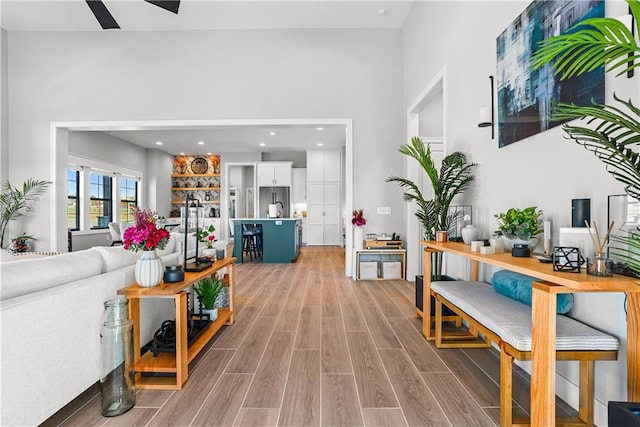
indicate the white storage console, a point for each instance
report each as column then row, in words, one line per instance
column 379, row 264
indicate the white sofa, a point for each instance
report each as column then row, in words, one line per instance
column 51, row 312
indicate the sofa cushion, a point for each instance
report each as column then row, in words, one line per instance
column 519, row 287
column 115, row 257
column 169, row 249
column 31, row 275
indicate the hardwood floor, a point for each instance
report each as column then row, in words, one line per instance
column 311, row 347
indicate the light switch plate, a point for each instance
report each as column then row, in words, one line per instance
column 384, row 210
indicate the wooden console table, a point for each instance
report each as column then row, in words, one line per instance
column 169, row 363
column 543, row 356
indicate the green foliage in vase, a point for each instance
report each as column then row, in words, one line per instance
column 519, row 223
column 611, row 132
column 18, row 202
column 209, row 289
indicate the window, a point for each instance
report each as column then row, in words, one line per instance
column 73, row 207
column 128, row 199
column 101, row 200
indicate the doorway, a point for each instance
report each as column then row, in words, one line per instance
column 59, row 151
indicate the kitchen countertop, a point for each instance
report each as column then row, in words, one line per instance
column 266, row 219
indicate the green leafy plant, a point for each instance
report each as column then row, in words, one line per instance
column 520, row 224
column 611, row 132
column 208, row 290
column 453, row 178
column 16, row 203
column 206, row 236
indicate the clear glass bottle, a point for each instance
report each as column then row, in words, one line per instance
column 117, row 383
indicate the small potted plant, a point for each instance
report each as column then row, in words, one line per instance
column 521, row 226
column 208, row 291
column 21, row 243
column 207, row 237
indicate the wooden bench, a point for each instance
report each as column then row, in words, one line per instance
column 507, row 323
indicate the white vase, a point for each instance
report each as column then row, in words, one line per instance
column 469, row 234
column 358, row 238
column 149, row 269
column 213, row 313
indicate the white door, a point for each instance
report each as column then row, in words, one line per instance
column 315, row 213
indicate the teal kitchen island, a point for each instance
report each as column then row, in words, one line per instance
column 281, row 238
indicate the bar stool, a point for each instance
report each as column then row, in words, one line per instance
column 252, row 241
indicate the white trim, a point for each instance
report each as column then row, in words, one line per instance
column 107, row 168
column 436, row 87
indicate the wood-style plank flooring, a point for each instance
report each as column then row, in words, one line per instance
column 311, row 347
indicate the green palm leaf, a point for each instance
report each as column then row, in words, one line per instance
column 588, row 45
column 16, row 202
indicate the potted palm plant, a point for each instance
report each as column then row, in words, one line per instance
column 453, row 178
column 208, row 291
column 17, row 202
column 609, row 131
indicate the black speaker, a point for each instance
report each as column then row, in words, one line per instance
column 580, row 212
column 624, row 414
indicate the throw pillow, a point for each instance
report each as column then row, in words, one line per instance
column 519, row 287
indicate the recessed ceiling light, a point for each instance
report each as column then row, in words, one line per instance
column 262, row 144
column 200, row 142
column 382, row 12
column 182, row 154
column 320, row 144
column 319, row 128
column 272, row 133
column 158, row 142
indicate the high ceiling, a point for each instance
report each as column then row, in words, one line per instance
column 139, row 15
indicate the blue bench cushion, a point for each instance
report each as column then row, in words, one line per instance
column 519, row 287
column 511, row 320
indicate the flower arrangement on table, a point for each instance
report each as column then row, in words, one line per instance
column 358, row 218
column 207, row 237
column 145, row 235
column 21, row 243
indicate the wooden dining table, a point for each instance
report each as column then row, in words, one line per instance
column 543, row 312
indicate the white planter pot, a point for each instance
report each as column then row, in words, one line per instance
column 358, row 238
column 149, row 269
column 213, row 313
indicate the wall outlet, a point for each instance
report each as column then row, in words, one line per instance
column 384, row 210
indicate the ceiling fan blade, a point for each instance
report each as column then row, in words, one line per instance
column 170, row 5
column 102, row 14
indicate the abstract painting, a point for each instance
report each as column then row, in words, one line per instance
column 525, row 96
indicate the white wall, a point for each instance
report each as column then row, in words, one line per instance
column 544, row 170
column 4, row 110
column 346, row 74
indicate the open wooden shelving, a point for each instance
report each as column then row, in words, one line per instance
column 171, row 369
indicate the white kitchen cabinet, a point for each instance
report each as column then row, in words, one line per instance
column 324, row 186
column 323, row 213
column 299, row 185
column 274, row 174
column 324, row 165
